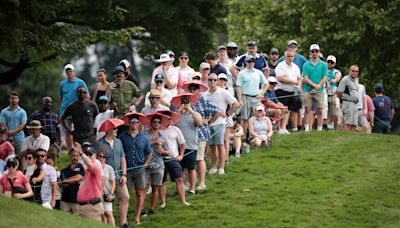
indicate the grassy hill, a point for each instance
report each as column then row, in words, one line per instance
column 316, row 179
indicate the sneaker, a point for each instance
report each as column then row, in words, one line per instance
column 143, row 213
column 286, row 132
column 125, row 225
column 212, row 171
column 192, row 192
column 237, row 154
column 186, row 204
column 186, row 187
column 151, row 212
column 163, row 205
column 281, row 132
column 221, row 171
column 201, row 187
column 149, row 190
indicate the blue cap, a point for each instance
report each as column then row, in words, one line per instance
column 378, row 86
column 118, row 69
column 252, row 43
column 159, row 77
column 249, row 57
column 103, row 98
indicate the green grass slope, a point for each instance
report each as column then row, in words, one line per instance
column 332, row 179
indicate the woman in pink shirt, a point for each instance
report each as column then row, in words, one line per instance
column 14, row 184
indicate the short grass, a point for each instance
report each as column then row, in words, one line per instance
column 333, row 179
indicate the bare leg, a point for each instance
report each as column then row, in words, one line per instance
column 192, row 179
column 139, row 203
column 154, row 196
column 163, row 193
column 201, row 169
column 214, row 156
column 181, row 189
column 221, row 155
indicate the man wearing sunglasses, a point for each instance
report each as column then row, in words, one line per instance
column 83, row 113
column 315, row 75
column 155, row 98
column 184, row 70
column 299, row 59
column 334, row 76
column 162, row 97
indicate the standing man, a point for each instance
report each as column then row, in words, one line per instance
column 138, row 155
column 299, row 59
column 91, row 190
column 67, row 93
column 48, row 119
column 71, row 178
column 224, row 61
column 260, row 62
column 48, row 189
column 185, row 72
column 334, row 76
column 232, row 50
column 288, row 81
column 83, row 113
column 155, row 102
column 248, row 92
column 222, row 98
column 115, row 157
column 211, row 58
column 104, row 114
column 128, row 72
column 347, row 91
column 170, row 73
column 166, row 95
column 124, row 92
column 384, row 111
column 315, row 75
column 273, row 61
column 204, row 69
column 36, row 140
column 14, row 119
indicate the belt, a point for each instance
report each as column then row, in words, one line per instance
column 249, row 95
column 92, row 201
column 350, row 101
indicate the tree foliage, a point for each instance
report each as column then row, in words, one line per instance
column 356, row 32
column 34, row 32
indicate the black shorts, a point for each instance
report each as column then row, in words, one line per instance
column 292, row 102
column 174, row 169
column 189, row 160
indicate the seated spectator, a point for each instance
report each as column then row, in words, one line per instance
column 235, row 136
column 260, row 128
column 33, row 173
column 14, row 184
column 36, row 139
column 6, row 148
column 108, row 189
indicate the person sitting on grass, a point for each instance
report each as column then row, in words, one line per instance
column 108, row 189
column 235, row 135
column 14, row 184
column 260, row 128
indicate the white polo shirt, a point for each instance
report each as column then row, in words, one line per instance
column 284, row 70
column 185, row 73
column 222, row 98
column 174, row 139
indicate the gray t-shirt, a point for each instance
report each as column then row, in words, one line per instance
column 189, row 130
column 108, row 176
column 349, row 89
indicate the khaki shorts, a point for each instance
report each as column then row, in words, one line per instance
column 90, row 211
column 307, row 99
column 249, row 104
column 332, row 106
column 201, row 150
column 350, row 113
column 69, row 207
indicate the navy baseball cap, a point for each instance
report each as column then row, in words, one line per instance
column 252, row 43
column 159, row 77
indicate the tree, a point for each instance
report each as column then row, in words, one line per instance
column 33, row 33
column 356, row 32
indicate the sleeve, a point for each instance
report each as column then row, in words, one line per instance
column 279, row 70
column 122, row 148
column 46, row 142
column 136, row 91
column 263, row 80
column 265, row 63
column 112, row 172
column 67, row 112
column 181, row 139
column 147, row 147
column 325, row 70
column 212, row 108
column 86, row 88
column 239, row 81
column 24, row 117
column 9, row 147
column 240, row 61
column 95, row 110
column 60, row 93
column 2, row 117
column 230, row 98
column 342, row 85
column 53, row 175
column 81, row 170
column 305, row 70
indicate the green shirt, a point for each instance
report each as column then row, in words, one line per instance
column 124, row 95
column 315, row 74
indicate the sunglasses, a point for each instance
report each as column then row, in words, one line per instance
column 212, row 80
column 330, row 62
column 222, row 79
column 272, row 84
column 154, row 97
column 314, row 51
column 101, row 156
column 206, row 69
column 232, row 49
column 29, row 158
column 251, row 61
column 293, row 46
column 159, row 82
column 185, row 58
column 156, row 122
column 196, row 78
column 355, row 71
column 42, row 155
column 134, row 121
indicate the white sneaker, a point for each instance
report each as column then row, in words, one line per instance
column 281, row 132
column 237, row 155
column 149, row 190
column 187, row 187
column 286, row 132
column 163, row 205
column 201, row 187
column 212, row 171
column 221, row 171
column 186, row 204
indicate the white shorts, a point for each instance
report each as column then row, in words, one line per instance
column 108, row 207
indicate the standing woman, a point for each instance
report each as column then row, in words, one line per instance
column 260, row 128
column 108, row 189
column 102, row 87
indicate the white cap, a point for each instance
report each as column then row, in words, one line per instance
column 291, row 42
column 332, row 58
column 260, row 107
column 125, row 62
column 314, row 47
column 69, row 66
column 222, row 75
column 272, row 79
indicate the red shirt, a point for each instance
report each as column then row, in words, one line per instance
column 18, row 181
column 6, row 148
column 92, row 186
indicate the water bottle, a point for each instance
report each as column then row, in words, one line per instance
column 248, row 150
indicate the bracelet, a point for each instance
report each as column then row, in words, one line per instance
column 124, row 174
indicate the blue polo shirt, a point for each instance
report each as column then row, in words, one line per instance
column 113, row 155
column 260, row 64
column 67, row 91
column 315, row 74
column 136, row 149
column 14, row 118
column 218, row 69
column 299, row 60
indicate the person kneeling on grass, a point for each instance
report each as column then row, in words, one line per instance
column 260, row 128
column 235, row 136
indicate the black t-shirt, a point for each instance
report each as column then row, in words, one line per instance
column 134, row 79
column 218, row 69
column 83, row 115
column 35, row 187
column 71, row 191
